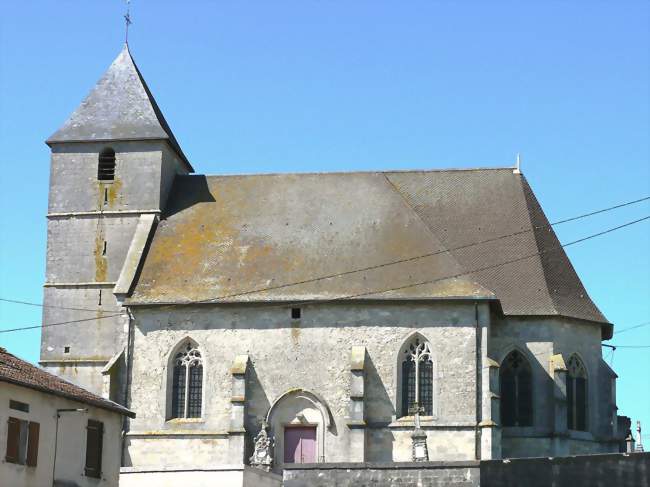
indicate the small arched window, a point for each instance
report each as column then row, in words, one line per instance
column 187, row 383
column 516, row 378
column 417, row 362
column 106, row 166
column 576, row 392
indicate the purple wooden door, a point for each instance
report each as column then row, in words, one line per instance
column 300, row 444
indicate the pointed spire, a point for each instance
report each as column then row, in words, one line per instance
column 119, row 107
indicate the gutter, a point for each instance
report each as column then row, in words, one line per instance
column 477, row 429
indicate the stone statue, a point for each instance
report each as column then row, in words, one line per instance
column 263, row 454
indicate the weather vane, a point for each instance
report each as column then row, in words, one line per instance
column 127, row 19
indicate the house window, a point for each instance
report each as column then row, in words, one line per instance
column 515, row 378
column 576, row 391
column 18, row 406
column 187, row 383
column 106, row 166
column 22, row 442
column 417, row 377
column 94, row 443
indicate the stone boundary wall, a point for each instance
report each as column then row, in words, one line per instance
column 215, row 476
column 601, row 470
column 402, row 474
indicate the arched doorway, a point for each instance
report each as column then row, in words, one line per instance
column 299, row 421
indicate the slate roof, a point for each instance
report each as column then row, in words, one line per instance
column 223, row 236
column 119, row 107
column 22, row 373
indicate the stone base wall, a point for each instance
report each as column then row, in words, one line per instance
column 404, row 474
column 607, row 470
column 221, row 476
column 603, row 470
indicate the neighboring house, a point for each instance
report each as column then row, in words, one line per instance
column 299, row 299
column 54, row 433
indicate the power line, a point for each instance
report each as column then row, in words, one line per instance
column 377, row 266
column 597, row 212
column 640, row 325
column 512, row 261
column 410, row 259
column 352, row 296
column 28, row 303
column 59, row 324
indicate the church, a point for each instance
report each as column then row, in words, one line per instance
column 257, row 321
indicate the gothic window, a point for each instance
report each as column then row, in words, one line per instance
column 106, row 166
column 187, row 383
column 416, row 359
column 515, row 377
column 576, row 392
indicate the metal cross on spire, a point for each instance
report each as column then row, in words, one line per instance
column 127, row 20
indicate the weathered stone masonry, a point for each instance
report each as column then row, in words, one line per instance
column 302, row 292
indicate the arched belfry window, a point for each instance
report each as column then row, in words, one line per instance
column 106, row 166
column 576, row 392
column 516, row 380
column 187, row 383
column 417, row 377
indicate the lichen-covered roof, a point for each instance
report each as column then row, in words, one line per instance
column 224, row 236
column 17, row 371
column 119, row 107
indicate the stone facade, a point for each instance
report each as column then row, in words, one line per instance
column 314, row 355
column 156, row 259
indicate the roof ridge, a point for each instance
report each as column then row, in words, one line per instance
column 369, row 171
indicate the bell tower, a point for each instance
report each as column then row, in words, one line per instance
column 112, row 167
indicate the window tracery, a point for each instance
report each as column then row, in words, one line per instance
column 187, row 383
column 417, row 377
column 515, row 377
column 576, row 391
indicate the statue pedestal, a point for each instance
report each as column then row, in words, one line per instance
column 420, row 453
column 263, row 455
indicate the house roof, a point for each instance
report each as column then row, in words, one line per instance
column 22, row 373
column 119, row 107
column 225, row 236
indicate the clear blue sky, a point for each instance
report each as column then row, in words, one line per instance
column 327, row 86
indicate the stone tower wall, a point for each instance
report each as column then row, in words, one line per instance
column 91, row 224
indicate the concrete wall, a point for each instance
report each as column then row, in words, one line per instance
column 71, row 443
column 620, row 470
column 313, row 354
column 431, row 474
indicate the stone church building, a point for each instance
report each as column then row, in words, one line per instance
column 211, row 305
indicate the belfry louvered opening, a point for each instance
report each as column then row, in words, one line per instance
column 106, row 166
